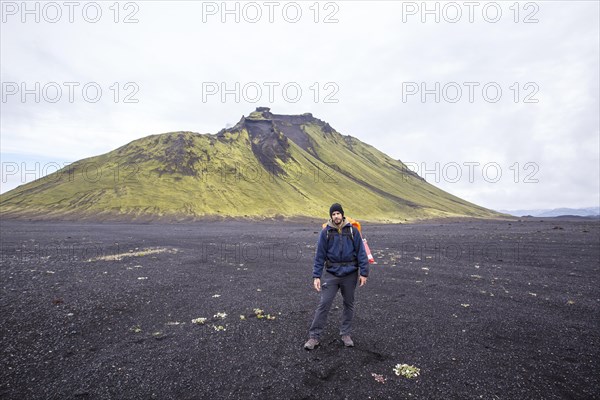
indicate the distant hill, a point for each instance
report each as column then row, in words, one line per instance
column 555, row 212
column 266, row 166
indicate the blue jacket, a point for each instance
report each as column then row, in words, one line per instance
column 346, row 252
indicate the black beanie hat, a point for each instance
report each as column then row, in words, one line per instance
column 336, row 207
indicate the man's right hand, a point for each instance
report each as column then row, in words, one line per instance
column 317, row 284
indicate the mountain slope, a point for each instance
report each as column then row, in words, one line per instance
column 267, row 165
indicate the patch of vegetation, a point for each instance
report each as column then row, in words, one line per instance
column 407, row 371
column 260, row 314
column 132, row 253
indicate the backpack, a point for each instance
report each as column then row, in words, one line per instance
column 353, row 224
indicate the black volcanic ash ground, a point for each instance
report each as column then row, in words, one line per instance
column 506, row 310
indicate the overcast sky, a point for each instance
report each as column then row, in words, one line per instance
column 495, row 102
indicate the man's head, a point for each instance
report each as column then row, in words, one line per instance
column 336, row 212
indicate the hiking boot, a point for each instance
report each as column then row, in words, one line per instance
column 311, row 344
column 347, row 341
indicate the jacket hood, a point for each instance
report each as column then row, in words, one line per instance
column 334, row 226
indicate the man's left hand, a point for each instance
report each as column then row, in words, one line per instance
column 362, row 280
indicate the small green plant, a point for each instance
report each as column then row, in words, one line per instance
column 407, row 371
column 260, row 314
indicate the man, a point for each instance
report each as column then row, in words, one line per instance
column 341, row 251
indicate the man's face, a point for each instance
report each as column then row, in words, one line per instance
column 336, row 217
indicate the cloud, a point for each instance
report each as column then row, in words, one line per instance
column 353, row 73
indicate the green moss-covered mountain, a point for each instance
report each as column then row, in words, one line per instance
column 265, row 166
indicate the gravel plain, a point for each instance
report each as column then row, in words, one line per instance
column 484, row 309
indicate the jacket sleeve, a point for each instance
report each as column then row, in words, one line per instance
column 361, row 255
column 320, row 254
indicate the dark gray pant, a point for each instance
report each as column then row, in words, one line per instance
column 329, row 287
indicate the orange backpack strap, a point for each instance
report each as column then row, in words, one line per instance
column 356, row 224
